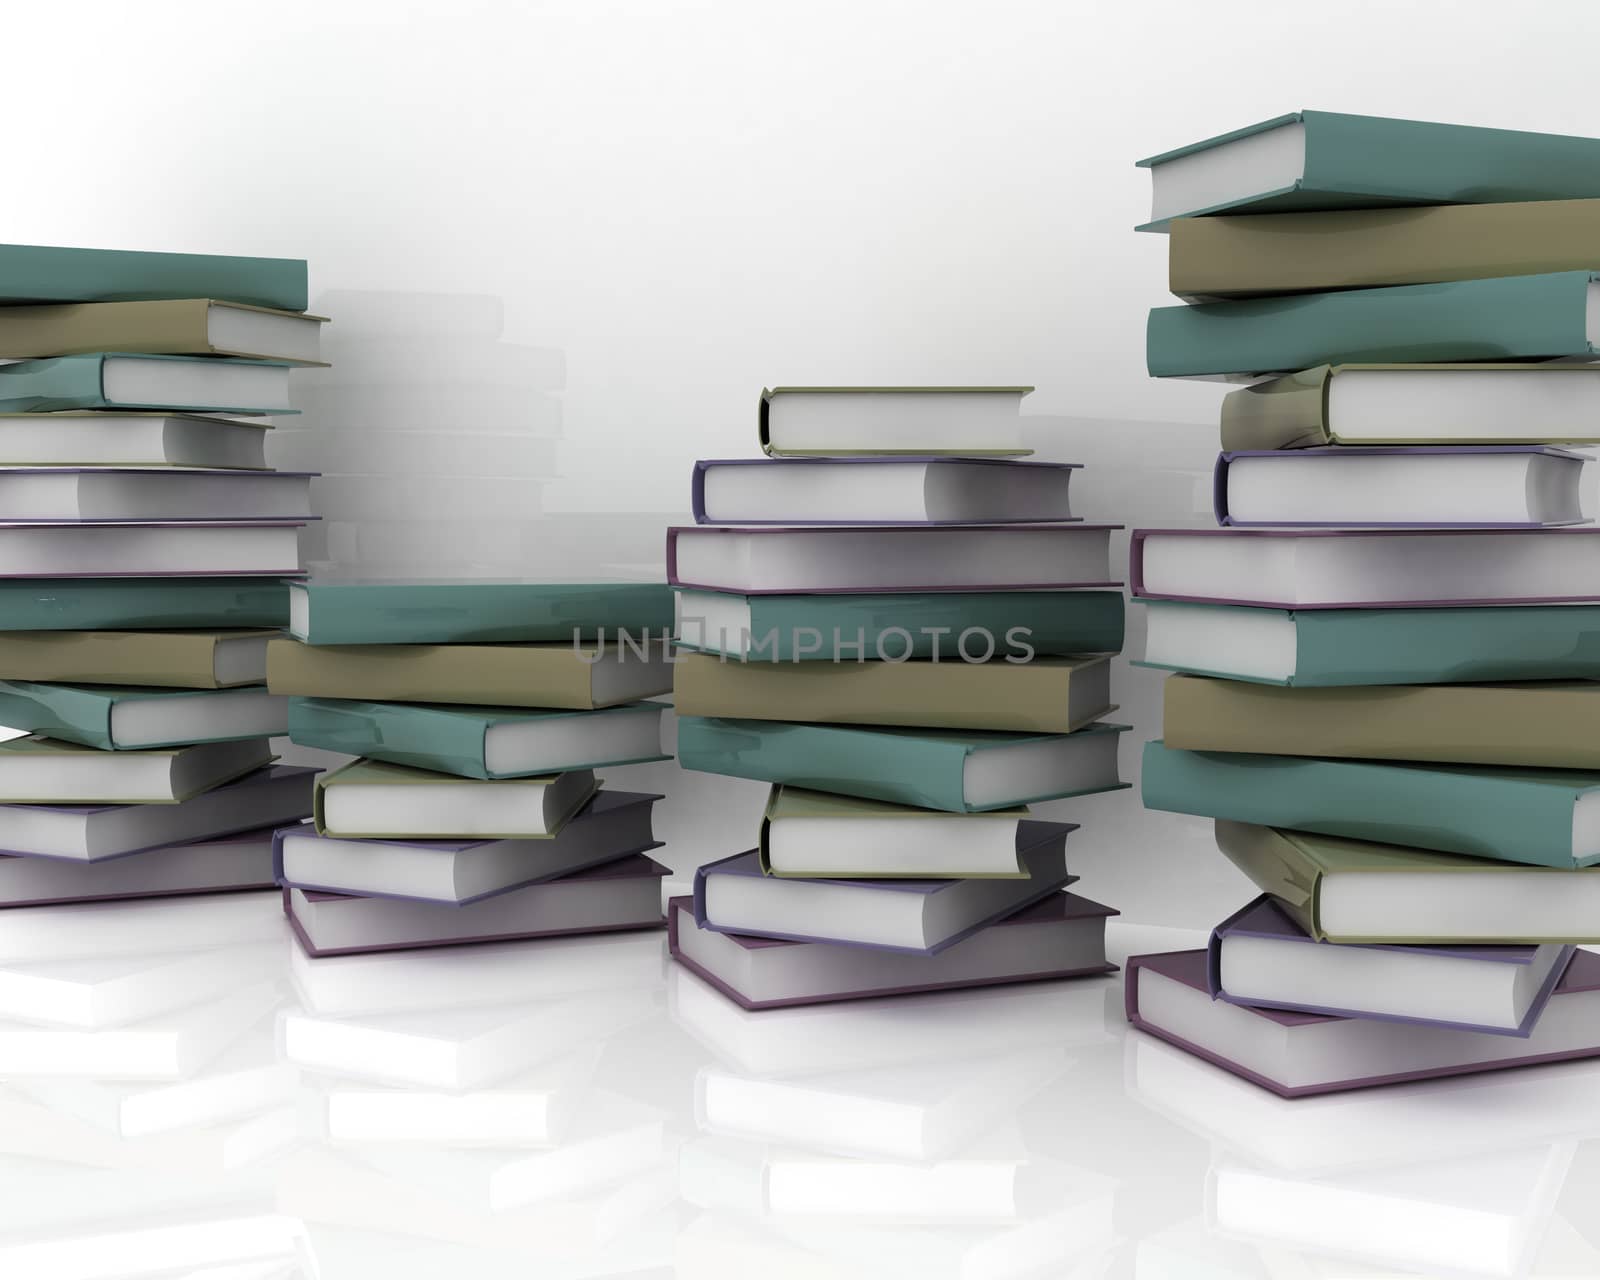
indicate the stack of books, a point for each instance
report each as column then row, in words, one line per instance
column 479, row 712
column 141, row 536
column 1383, row 658
column 901, row 628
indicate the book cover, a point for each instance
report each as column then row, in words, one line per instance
column 185, row 659
column 60, row 273
column 166, row 327
column 1515, row 815
column 77, row 382
column 133, row 604
column 1511, row 318
column 375, row 773
column 86, row 714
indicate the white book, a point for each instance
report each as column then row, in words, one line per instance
column 146, row 550
column 916, row 420
column 36, row 770
column 201, row 382
column 150, row 1249
column 882, row 491
column 98, row 929
column 220, row 865
column 109, row 439
column 371, row 799
column 56, row 494
column 37, row 1194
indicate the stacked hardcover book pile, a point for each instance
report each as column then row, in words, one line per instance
column 878, row 623
column 140, row 531
column 1382, row 696
column 479, row 711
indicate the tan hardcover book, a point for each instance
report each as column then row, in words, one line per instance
column 165, row 659
column 180, row 327
column 1248, row 254
column 1548, row 724
column 1047, row 695
column 495, row 675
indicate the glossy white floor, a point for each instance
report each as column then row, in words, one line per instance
column 199, row 1100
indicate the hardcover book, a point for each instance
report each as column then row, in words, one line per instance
column 167, row 659
column 963, row 421
column 367, row 799
column 1297, row 1054
column 955, row 772
column 68, row 494
column 147, row 438
column 51, row 273
column 1541, row 817
column 124, row 380
column 130, row 603
column 220, row 864
column 150, row 549
column 1261, row 958
column 1047, row 695
column 1060, row 936
column 35, row 770
column 185, row 326
column 116, row 719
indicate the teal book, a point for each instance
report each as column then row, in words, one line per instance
column 480, row 742
column 1511, row 318
column 56, row 273
column 129, row 380
column 1542, row 817
column 957, row 772
column 114, row 718
column 854, row 627
column 477, row 612
column 1331, row 160
column 142, row 604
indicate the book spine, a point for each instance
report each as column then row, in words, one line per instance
column 176, row 328
column 1277, row 866
column 521, row 676
column 70, row 715
column 39, row 386
column 1451, row 810
column 47, row 274
column 1285, row 413
column 498, row 615
column 397, row 734
column 1514, row 318
column 110, row 657
column 66, row 604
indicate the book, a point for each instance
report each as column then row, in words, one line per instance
column 556, row 676
column 1457, row 486
column 123, row 380
column 165, row 659
column 1296, row 1054
column 183, row 326
column 764, row 561
column 265, row 797
column 619, row 895
column 474, row 612
column 732, row 895
column 1331, row 160
column 87, row 604
column 880, row 490
column 1414, row 404
column 68, row 494
column 51, row 273
column 220, row 864
column 1547, row 724
column 148, row 438
column 1047, row 695
column 42, row 771
column 1330, row 648
column 1347, row 569
column 1512, row 318
column 112, row 718
column 815, row 834
column 1261, row 958
column 1237, row 255
column 1060, row 936
column 798, row 628
column 370, row 799
column 613, row 825
column 480, row 742
column 1542, row 817
column 892, row 420
column 1343, row 890
column 970, row 772
column 149, row 549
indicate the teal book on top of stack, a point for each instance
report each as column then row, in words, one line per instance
column 899, row 625
column 478, row 713
column 1382, row 657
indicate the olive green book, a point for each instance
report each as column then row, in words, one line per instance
column 369, row 799
column 491, row 675
column 1298, row 411
column 908, row 843
column 163, row 659
column 1046, row 695
column 1235, row 256
column 1545, row 725
column 1342, row 890
column 179, row 327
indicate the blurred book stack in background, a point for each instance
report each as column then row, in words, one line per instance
column 899, row 626
column 1383, row 656
column 478, row 712
column 142, row 539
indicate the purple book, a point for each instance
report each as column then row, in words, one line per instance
column 1333, row 475
column 1272, row 963
column 923, row 917
column 1060, row 936
column 1365, row 569
column 1016, row 492
column 1296, row 1054
column 622, row 895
